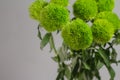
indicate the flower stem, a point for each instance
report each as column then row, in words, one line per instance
column 53, row 44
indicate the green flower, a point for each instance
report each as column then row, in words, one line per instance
column 53, row 17
column 60, row 2
column 102, row 30
column 105, row 5
column 35, row 8
column 111, row 17
column 77, row 35
column 85, row 9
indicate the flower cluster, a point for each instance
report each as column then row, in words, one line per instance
column 88, row 38
column 77, row 33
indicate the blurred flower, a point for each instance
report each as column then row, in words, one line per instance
column 35, row 9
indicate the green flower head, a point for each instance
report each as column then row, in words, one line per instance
column 60, row 2
column 53, row 17
column 111, row 17
column 35, row 8
column 77, row 35
column 85, row 9
column 105, row 5
column 102, row 30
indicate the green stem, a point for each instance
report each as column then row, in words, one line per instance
column 53, row 44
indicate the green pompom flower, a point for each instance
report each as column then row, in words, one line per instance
column 60, row 2
column 102, row 31
column 77, row 35
column 35, row 8
column 85, row 9
column 53, row 17
column 105, row 5
column 111, row 17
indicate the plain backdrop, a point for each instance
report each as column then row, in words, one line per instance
column 20, row 55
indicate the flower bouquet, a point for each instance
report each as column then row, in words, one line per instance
column 88, row 38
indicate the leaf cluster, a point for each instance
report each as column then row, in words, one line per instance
column 82, row 64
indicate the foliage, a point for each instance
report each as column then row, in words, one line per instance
column 86, row 48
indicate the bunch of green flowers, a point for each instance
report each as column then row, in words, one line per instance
column 87, row 37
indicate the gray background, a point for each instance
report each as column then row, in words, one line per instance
column 20, row 56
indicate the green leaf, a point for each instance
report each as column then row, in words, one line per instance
column 61, row 55
column 82, row 76
column 45, row 40
column 114, row 54
column 111, row 72
column 61, row 72
column 51, row 44
column 104, row 56
column 39, row 33
column 67, row 73
column 56, row 59
column 74, row 61
column 97, row 74
column 86, row 66
column 75, row 69
column 107, row 63
column 99, row 65
column 117, row 38
column 60, row 76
